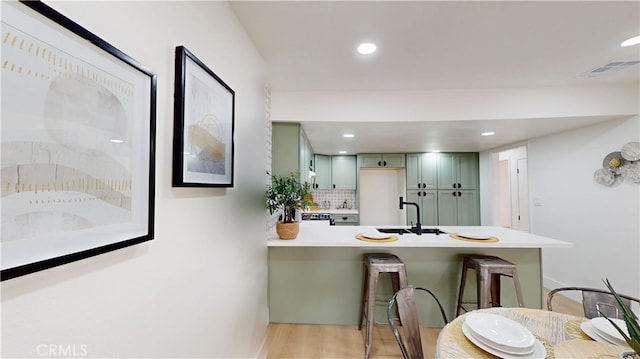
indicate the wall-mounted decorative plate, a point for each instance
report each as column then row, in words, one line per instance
column 631, row 151
column 614, row 161
column 631, row 172
column 604, row 177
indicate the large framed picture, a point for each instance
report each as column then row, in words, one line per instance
column 77, row 142
column 203, row 132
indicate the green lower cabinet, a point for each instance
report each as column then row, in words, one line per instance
column 428, row 202
column 458, row 208
column 346, row 219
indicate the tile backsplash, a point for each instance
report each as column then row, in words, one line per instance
column 336, row 197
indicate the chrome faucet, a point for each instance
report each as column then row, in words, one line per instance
column 418, row 226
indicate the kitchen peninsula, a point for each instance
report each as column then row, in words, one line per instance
column 317, row 277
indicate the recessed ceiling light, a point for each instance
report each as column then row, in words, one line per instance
column 630, row 42
column 342, row 152
column 366, row 48
column 348, row 135
column 489, row 133
column 435, row 151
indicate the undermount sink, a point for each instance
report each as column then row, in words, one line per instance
column 410, row 230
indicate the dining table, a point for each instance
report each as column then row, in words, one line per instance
column 559, row 333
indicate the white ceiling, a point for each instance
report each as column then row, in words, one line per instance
column 432, row 45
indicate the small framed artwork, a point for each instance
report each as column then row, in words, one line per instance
column 203, row 131
column 78, row 137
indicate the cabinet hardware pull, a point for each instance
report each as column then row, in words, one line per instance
column 379, row 163
column 385, row 163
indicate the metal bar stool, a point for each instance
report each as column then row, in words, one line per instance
column 374, row 265
column 488, row 271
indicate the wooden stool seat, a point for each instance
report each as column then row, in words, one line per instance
column 374, row 265
column 488, row 271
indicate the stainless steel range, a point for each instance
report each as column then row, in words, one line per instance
column 313, row 216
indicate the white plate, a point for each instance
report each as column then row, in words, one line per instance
column 501, row 331
column 589, row 330
column 375, row 235
column 607, row 331
column 539, row 352
column 473, row 236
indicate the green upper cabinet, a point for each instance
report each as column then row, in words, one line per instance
column 343, row 172
column 458, row 170
column 381, row 160
column 335, row 172
column 322, row 168
column 422, row 170
column 291, row 151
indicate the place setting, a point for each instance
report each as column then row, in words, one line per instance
column 601, row 330
column 474, row 237
column 502, row 337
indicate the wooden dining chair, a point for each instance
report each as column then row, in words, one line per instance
column 403, row 302
column 595, row 302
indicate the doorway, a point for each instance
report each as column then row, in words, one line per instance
column 512, row 189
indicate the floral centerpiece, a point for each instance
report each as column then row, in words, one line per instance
column 288, row 194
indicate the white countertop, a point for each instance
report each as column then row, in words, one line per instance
column 321, row 234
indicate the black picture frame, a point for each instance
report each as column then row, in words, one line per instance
column 204, row 125
column 84, row 113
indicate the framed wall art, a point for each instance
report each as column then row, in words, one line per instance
column 78, row 134
column 203, row 132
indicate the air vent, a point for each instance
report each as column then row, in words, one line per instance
column 610, row 67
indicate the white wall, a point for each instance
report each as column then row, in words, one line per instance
column 602, row 223
column 200, row 288
column 455, row 105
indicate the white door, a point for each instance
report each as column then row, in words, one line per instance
column 523, row 195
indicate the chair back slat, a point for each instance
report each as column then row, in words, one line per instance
column 404, row 301
column 407, row 309
column 595, row 302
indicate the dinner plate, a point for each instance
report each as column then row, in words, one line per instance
column 590, row 331
column 473, row 236
column 539, row 352
column 607, row 331
column 499, row 331
column 375, row 235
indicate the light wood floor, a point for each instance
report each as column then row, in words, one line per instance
column 346, row 341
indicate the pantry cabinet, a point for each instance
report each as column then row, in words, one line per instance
column 381, row 160
column 428, row 202
column 422, row 170
column 446, row 186
column 458, row 208
column 458, row 170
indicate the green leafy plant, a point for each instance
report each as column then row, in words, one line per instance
column 288, row 194
column 630, row 319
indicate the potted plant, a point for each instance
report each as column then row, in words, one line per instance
column 633, row 326
column 288, row 194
